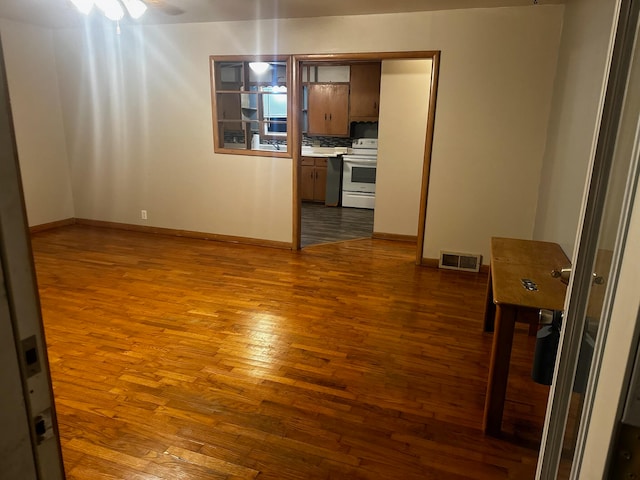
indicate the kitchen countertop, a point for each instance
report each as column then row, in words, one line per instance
column 307, row 151
column 323, row 152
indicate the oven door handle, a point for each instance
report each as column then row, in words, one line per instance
column 353, row 193
column 361, row 163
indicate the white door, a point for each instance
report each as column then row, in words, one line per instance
column 15, row 462
column 29, row 443
column 596, row 279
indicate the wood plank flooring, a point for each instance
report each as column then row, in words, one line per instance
column 321, row 224
column 175, row 358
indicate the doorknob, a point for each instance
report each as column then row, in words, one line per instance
column 565, row 273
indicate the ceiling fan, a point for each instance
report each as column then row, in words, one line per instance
column 115, row 9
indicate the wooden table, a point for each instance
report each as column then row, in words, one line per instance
column 508, row 301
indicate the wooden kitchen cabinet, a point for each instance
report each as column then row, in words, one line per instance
column 328, row 109
column 364, row 99
column 314, row 179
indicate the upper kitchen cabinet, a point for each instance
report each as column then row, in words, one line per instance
column 326, row 100
column 364, row 100
column 328, row 109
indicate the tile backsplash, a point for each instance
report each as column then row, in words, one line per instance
column 326, row 141
column 358, row 130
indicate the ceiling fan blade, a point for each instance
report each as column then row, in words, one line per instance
column 165, row 7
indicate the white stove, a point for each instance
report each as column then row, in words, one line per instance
column 359, row 174
column 364, row 146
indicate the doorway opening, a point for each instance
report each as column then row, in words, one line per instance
column 339, row 113
column 322, row 83
column 320, row 224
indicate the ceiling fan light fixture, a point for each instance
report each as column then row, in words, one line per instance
column 111, row 9
column 259, row 67
column 136, row 8
column 84, row 6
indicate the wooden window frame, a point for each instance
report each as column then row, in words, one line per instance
column 245, row 84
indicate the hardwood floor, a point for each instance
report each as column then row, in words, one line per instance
column 320, row 224
column 176, row 358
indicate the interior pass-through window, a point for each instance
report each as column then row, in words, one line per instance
column 251, row 111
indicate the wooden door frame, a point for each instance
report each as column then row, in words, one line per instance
column 296, row 144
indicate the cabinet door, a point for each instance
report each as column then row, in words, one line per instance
column 317, row 109
column 307, row 177
column 320, row 186
column 328, row 109
column 365, row 92
column 339, row 112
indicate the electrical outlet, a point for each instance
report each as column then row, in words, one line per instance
column 143, row 214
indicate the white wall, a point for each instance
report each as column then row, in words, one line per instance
column 140, row 137
column 582, row 66
column 37, row 117
column 137, row 119
column 401, row 139
column 494, row 98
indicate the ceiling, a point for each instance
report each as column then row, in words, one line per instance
column 61, row 13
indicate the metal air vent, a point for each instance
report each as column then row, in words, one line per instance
column 460, row 261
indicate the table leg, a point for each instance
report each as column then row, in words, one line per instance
column 490, row 307
column 505, row 321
